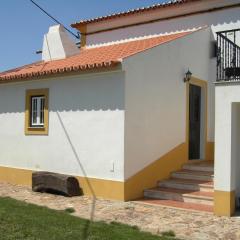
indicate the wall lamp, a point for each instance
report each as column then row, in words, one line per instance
column 188, row 76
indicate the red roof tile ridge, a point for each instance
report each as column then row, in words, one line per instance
column 118, row 42
column 132, row 11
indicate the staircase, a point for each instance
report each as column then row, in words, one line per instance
column 191, row 187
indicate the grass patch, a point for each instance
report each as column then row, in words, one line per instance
column 70, row 210
column 22, row 221
column 169, row 234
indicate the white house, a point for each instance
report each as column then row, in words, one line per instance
column 121, row 113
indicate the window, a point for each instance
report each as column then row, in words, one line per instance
column 36, row 114
column 37, row 111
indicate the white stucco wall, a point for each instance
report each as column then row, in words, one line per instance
column 227, row 138
column 235, row 140
column 219, row 21
column 91, row 108
column 155, row 105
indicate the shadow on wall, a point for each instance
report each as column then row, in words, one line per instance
column 103, row 93
column 93, row 204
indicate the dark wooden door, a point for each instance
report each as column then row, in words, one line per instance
column 194, row 121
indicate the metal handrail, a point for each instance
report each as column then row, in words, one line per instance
column 228, row 57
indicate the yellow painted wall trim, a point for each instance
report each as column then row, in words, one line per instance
column 209, row 152
column 107, row 189
column 224, row 203
column 16, row 176
column 159, row 170
column 83, row 31
column 102, row 188
column 123, row 191
column 28, row 129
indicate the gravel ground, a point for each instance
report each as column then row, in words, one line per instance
column 156, row 219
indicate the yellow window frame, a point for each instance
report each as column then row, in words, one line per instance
column 36, row 130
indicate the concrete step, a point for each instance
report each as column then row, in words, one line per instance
column 193, row 175
column 202, row 167
column 178, row 205
column 187, row 184
column 197, row 197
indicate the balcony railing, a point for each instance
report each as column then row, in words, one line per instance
column 228, row 55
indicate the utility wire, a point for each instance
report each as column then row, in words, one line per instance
column 54, row 19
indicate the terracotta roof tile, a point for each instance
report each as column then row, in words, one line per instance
column 132, row 11
column 91, row 58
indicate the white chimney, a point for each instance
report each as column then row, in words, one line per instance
column 57, row 44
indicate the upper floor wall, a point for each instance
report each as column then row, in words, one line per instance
column 219, row 14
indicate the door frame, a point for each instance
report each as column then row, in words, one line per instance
column 204, row 115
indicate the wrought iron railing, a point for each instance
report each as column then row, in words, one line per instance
column 228, row 55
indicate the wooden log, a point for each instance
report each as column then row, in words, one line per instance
column 55, row 183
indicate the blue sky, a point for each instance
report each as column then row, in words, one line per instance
column 23, row 25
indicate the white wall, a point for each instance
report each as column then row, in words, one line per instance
column 235, row 140
column 219, row 21
column 155, row 107
column 92, row 111
column 227, row 138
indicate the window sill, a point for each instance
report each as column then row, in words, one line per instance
column 36, row 131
